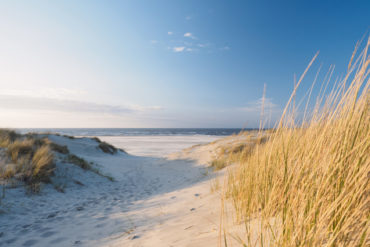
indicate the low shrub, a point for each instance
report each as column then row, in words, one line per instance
column 74, row 159
column 96, row 139
column 219, row 164
column 8, row 171
column 20, row 148
column 30, row 159
column 7, row 137
column 59, row 148
column 69, row 137
column 107, row 148
column 42, row 165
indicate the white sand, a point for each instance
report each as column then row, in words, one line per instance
column 153, row 202
column 157, row 146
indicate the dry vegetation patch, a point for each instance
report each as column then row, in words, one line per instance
column 311, row 179
column 78, row 161
column 26, row 159
column 107, row 148
column 30, row 158
column 232, row 153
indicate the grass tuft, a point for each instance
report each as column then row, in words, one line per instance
column 219, row 164
column 59, row 148
column 42, row 165
column 107, row 148
column 20, row 148
column 74, row 159
column 308, row 185
column 27, row 158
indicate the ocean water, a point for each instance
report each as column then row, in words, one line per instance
column 147, row 142
column 138, row 131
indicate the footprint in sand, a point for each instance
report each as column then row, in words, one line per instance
column 36, row 227
column 52, row 215
column 30, row 242
column 10, row 241
column 100, row 225
column 102, row 218
column 24, row 231
column 59, row 218
column 41, row 230
column 48, row 234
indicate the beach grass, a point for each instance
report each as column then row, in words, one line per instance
column 30, row 158
column 26, row 158
column 231, row 153
column 107, row 148
column 308, row 184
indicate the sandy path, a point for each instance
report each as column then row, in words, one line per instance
column 153, row 202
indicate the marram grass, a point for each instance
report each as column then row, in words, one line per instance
column 309, row 184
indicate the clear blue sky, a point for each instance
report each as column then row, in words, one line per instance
column 164, row 63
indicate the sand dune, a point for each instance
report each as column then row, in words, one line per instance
column 151, row 202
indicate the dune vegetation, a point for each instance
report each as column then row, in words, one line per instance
column 32, row 158
column 230, row 153
column 27, row 159
column 308, row 185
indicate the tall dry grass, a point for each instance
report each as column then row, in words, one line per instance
column 27, row 158
column 309, row 184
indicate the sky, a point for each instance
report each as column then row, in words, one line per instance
column 179, row 64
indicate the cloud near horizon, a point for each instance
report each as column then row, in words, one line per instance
column 24, row 102
column 256, row 106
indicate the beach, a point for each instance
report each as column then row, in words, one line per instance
column 157, row 146
column 154, row 200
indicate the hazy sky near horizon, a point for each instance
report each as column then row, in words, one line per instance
column 165, row 63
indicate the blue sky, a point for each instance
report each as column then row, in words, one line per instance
column 165, row 63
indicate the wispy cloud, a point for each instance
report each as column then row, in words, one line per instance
column 256, row 106
column 202, row 45
column 178, row 48
column 153, row 41
column 188, row 42
column 188, row 18
column 189, row 35
column 23, row 102
column 140, row 108
column 57, row 93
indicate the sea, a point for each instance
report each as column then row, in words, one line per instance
column 136, row 131
column 151, row 142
